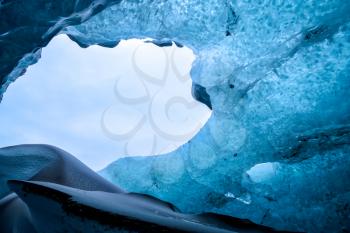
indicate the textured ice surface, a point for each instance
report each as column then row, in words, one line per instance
column 277, row 72
column 27, row 26
column 276, row 148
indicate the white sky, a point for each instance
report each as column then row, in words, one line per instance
column 101, row 104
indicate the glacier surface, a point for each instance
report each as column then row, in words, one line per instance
column 276, row 149
column 64, row 195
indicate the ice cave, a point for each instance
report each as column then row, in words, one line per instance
column 274, row 155
column 101, row 104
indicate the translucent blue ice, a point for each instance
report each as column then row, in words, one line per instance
column 276, row 149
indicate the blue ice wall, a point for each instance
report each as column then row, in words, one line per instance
column 276, row 149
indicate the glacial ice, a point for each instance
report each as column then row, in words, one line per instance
column 64, row 195
column 276, row 148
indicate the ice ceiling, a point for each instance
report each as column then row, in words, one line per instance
column 276, row 74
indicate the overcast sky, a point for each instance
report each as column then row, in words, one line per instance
column 101, row 104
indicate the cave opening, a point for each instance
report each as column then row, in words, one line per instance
column 105, row 103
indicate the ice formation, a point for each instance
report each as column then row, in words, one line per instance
column 63, row 195
column 276, row 75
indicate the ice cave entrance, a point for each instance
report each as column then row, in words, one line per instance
column 101, row 103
